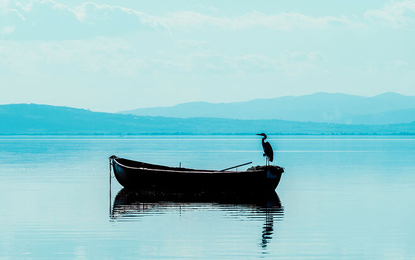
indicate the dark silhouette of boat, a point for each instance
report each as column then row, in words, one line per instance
column 145, row 176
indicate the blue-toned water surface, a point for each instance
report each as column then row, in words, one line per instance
column 341, row 197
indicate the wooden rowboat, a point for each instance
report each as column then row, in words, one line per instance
column 139, row 175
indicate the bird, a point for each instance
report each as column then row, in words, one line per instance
column 268, row 152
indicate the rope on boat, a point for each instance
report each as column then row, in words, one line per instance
column 111, row 158
column 110, row 162
column 110, row 177
column 110, row 168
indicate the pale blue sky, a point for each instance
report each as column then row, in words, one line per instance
column 116, row 55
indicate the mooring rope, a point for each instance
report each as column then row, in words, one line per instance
column 110, row 195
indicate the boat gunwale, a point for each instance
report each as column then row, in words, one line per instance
column 193, row 171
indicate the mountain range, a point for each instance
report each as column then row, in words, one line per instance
column 33, row 119
column 387, row 108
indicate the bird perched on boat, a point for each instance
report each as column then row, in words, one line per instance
column 268, row 152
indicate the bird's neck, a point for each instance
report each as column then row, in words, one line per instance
column 263, row 139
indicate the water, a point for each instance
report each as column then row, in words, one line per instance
column 341, row 197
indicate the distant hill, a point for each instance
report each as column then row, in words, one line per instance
column 388, row 117
column 386, row 108
column 51, row 120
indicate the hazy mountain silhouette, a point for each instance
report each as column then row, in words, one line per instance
column 51, row 120
column 386, row 108
column 388, row 117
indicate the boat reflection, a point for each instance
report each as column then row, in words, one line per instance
column 132, row 205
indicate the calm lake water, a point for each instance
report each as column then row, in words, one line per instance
column 341, row 197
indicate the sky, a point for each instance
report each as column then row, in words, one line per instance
column 118, row 55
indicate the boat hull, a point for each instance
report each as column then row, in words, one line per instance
column 138, row 175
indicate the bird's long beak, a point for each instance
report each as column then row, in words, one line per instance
column 258, row 134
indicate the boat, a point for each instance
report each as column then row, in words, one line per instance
column 145, row 176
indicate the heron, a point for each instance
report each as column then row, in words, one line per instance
column 268, row 152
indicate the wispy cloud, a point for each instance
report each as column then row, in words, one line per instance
column 7, row 29
column 45, row 19
column 98, row 55
column 396, row 14
column 4, row 3
column 282, row 21
column 220, row 64
column 303, row 56
column 209, row 8
column 48, row 19
column 120, row 58
column 194, row 45
column 91, row 12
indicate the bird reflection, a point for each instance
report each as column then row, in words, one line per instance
column 267, row 230
column 132, row 205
